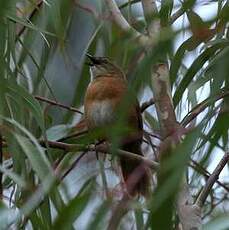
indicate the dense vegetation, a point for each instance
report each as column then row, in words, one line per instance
column 49, row 181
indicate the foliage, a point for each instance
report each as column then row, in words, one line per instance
column 42, row 52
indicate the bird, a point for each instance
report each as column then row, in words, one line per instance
column 104, row 97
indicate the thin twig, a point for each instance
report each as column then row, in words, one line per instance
column 211, row 180
column 36, row 9
column 122, row 207
column 51, row 102
column 202, row 106
column 127, row 3
column 152, row 135
column 86, row 8
column 118, row 212
column 225, row 197
column 145, row 105
column 75, row 134
column 73, row 165
column 207, row 174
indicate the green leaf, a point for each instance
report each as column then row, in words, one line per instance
column 28, row 25
column 165, row 11
column 101, row 212
column 172, row 167
column 36, row 157
column 139, row 219
column 33, row 150
column 16, row 178
column 57, row 132
column 72, row 211
column 29, row 102
column 188, row 45
column 195, row 67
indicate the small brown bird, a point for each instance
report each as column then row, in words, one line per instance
column 104, row 95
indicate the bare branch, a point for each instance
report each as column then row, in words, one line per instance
column 73, row 135
column 118, row 212
column 205, row 172
column 202, row 106
column 147, row 104
column 211, row 180
column 51, row 102
column 122, row 23
column 150, row 9
column 189, row 213
column 118, row 17
column 72, row 166
column 104, row 148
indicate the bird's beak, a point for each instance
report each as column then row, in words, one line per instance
column 92, row 60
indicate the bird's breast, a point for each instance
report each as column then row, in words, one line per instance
column 100, row 113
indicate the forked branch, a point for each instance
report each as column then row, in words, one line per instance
column 211, row 180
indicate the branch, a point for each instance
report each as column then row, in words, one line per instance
column 149, row 10
column 118, row 17
column 72, row 166
column 202, row 106
column 206, row 173
column 36, row 9
column 123, row 24
column 189, row 213
column 170, row 129
column 86, row 8
column 51, row 102
column 211, row 180
column 163, row 100
column 118, row 212
column 104, row 148
column 145, row 105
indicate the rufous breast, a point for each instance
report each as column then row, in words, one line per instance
column 103, row 96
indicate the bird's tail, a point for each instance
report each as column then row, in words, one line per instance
column 136, row 174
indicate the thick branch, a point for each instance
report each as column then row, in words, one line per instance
column 189, row 214
column 149, row 10
column 163, row 100
column 122, row 23
column 118, row 17
column 211, row 180
column 51, row 102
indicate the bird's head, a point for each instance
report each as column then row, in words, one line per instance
column 102, row 66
